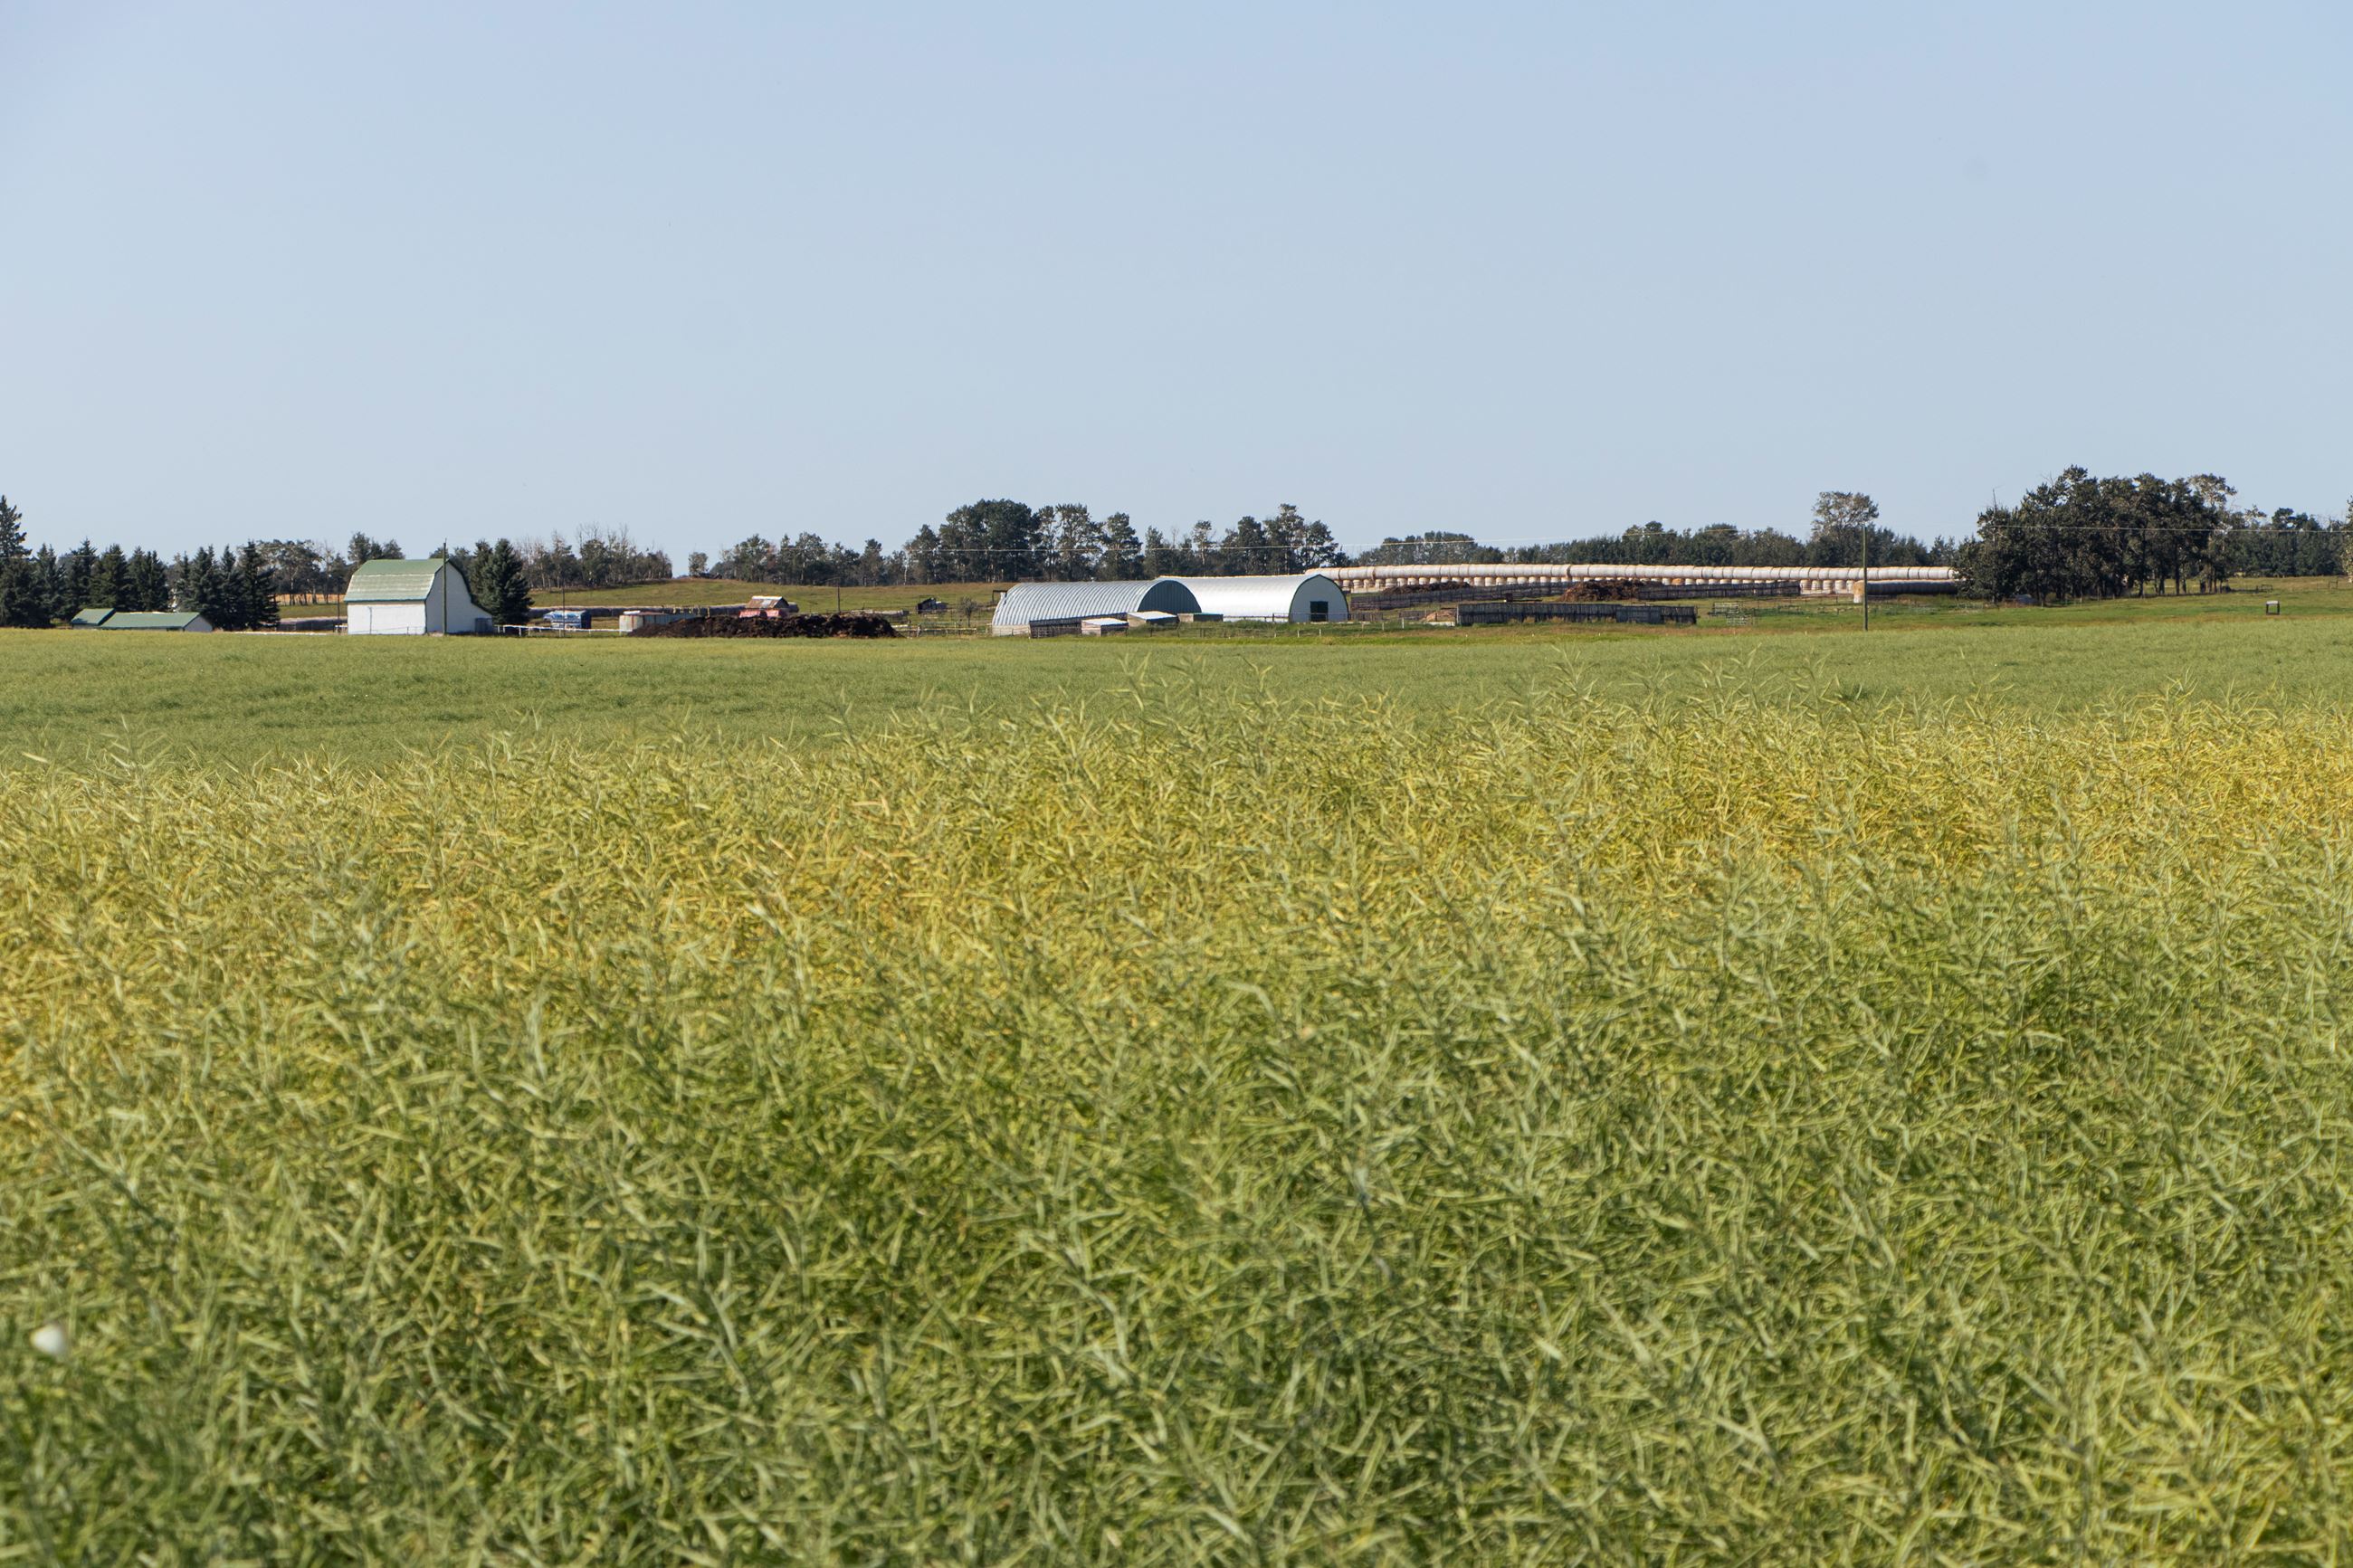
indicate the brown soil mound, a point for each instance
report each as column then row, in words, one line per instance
column 849, row 624
column 1596, row 591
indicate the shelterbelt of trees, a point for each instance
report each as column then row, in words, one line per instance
column 2074, row 537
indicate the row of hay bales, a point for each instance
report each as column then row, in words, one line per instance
column 1810, row 580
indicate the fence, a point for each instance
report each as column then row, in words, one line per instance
column 1496, row 615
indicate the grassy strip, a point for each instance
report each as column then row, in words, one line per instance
column 229, row 700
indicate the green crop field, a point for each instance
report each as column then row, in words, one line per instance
column 232, row 700
column 1767, row 1095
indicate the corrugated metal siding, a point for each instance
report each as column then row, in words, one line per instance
column 1027, row 602
column 1273, row 598
column 155, row 621
column 392, row 582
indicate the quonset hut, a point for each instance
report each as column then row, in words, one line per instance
column 410, row 598
column 1043, row 609
column 1300, row 596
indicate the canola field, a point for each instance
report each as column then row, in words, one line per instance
column 1196, row 1119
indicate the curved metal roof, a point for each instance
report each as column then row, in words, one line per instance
column 386, row 582
column 1027, row 602
column 1280, row 598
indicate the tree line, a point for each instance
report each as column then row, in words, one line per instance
column 41, row 588
column 235, row 588
column 1656, row 544
column 2082, row 537
column 596, row 558
column 1006, row 541
column 2072, row 537
column 2075, row 536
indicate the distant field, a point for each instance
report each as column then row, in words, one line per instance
column 2305, row 595
column 236, row 699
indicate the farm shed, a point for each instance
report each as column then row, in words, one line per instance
column 154, row 621
column 411, row 598
column 1300, row 596
column 633, row 620
column 95, row 616
column 1073, row 601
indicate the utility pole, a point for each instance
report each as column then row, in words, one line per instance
column 1834, row 510
column 1866, row 576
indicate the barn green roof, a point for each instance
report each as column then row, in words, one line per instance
column 151, row 621
column 93, row 616
column 392, row 582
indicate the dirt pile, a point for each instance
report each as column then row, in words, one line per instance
column 851, row 624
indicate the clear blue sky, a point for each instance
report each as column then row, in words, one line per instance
column 435, row 269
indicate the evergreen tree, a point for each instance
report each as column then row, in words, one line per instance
column 49, row 580
column 201, row 588
column 77, row 567
column 23, row 598
column 257, row 588
column 923, row 558
column 109, row 584
column 146, row 585
column 22, row 602
column 498, row 583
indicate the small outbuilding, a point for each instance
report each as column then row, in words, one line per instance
column 1300, row 596
column 412, row 598
column 1065, row 605
column 91, row 616
column 151, row 621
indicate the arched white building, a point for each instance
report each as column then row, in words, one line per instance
column 1300, row 596
column 1070, row 603
column 396, row 598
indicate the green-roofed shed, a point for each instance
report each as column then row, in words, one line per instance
column 411, row 598
column 154, row 621
column 95, row 616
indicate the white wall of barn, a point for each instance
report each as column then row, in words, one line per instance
column 385, row 620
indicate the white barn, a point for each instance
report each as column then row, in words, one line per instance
column 1298, row 597
column 411, row 598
